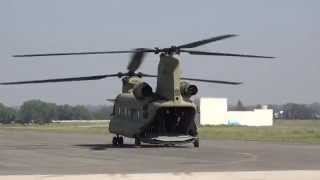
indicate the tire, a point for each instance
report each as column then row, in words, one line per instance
column 120, row 141
column 114, row 141
column 193, row 129
column 196, row 143
column 137, row 142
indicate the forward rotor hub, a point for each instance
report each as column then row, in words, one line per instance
column 169, row 51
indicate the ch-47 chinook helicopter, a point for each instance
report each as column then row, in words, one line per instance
column 165, row 115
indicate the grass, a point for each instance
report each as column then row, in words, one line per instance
column 87, row 128
column 304, row 131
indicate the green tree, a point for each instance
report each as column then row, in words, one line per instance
column 81, row 113
column 65, row 112
column 103, row 112
column 37, row 111
column 298, row 111
column 7, row 115
column 240, row 106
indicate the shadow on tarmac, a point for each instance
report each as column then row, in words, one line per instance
column 97, row 147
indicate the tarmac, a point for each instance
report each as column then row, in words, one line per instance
column 242, row 175
column 41, row 153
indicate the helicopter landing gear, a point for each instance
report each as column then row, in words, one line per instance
column 137, row 141
column 196, row 143
column 117, row 141
column 120, row 141
column 114, row 141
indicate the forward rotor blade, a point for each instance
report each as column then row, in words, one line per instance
column 86, row 78
column 136, row 60
column 84, row 53
column 211, row 81
column 206, row 41
column 111, row 100
column 223, row 54
column 199, row 80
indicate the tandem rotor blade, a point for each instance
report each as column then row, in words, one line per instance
column 111, row 100
column 146, row 75
column 85, row 78
column 199, row 80
column 224, row 54
column 206, row 41
column 212, row 81
column 85, row 53
column 136, row 60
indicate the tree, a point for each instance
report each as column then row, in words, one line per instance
column 298, row 111
column 240, row 106
column 316, row 110
column 7, row 115
column 36, row 111
column 102, row 112
column 81, row 113
column 65, row 112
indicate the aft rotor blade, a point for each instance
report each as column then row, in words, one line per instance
column 223, row 54
column 86, row 78
column 206, row 41
column 146, row 75
column 199, row 80
column 84, row 53
column 211, row 81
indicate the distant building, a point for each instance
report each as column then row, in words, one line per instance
column 214, row 111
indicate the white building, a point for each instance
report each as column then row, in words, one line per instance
column 214, row 111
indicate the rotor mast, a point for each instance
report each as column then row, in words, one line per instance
column 169, row 73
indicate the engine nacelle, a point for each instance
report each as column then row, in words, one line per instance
column 142, row 90
column 188, row 90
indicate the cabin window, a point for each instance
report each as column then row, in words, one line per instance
column 125, row 112
column 129, row 113
column 133, row 114
column 145, row 111
column 122, row 112
column 138, row 115
column 119, row 111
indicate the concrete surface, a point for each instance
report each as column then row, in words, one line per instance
column 257, row 175
column 29, row 153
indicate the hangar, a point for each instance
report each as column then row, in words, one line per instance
column 214, row 111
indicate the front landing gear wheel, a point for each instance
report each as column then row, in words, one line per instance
column 137, row 141
column 196, row 143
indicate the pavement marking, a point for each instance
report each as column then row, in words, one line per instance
column 245, row 175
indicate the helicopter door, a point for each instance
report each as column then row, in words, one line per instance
column 172, row 121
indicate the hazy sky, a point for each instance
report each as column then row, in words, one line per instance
column 288, row 29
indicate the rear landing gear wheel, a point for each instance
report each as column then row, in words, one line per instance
column 120, row 141
column 117, row 141
column 114, row 141
column 196, row 143
column 137, row 142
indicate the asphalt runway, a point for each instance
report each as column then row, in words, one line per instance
column 29, row 153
